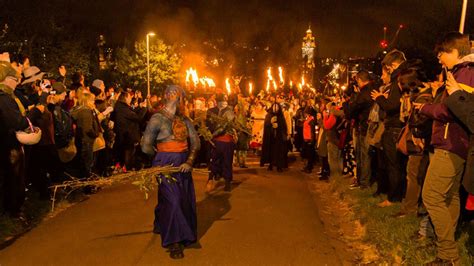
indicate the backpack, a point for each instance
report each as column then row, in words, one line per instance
column 63, row 128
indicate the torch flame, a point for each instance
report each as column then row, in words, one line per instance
column 250, row 88
column 302, row 81
column 205, row 81
column 291, row 83
column 280, row 74
column 191, row 75
column 227, row 85
column 269, row 78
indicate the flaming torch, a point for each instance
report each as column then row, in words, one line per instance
column 191, row 75
column 269, row 78
column 280, row 74
column 227, row 85
column 250, row 88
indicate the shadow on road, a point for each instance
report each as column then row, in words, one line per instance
column 125, row 235
column 211, row 209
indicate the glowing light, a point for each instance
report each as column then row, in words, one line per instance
column 227, row 85
column 250, row 88
column 343, row 88
column 291, row 83
column 191, row 75
column 280, row 74
column 270, row 79
column 205, row 81
column 302, row 81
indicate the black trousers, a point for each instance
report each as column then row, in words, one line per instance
column 45, row 168
column 12, row 179
column 379, row 172
column 309, row 152
column 394, row 164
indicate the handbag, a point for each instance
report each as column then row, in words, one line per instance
column 68, row 153
column 407, row 144
column 99, row 143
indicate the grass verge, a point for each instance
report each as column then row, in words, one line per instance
column 394, row 237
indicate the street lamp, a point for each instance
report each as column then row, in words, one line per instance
column 148, row 60
column 463, row 16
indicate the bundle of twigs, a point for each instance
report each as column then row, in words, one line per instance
column 145, row 179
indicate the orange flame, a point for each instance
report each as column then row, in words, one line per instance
column 205, row 81
column 227, row 85
column 269, row 78
column 191, row 75
column 250, row 88
column 280, row 74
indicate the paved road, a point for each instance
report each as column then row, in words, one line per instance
column 269, row 218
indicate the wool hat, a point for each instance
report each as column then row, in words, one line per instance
column 98, row 83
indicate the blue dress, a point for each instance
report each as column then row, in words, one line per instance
column 175, row 213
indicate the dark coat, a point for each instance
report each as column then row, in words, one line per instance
column 274, row 149
column 127, row 124
column 87, row 125
column 391, row 105
column 461, row 104
column 11, row 120
column 359, row 108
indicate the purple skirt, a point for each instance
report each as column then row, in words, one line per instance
column 175, row 214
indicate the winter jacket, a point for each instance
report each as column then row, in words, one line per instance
column 461, row 104
column 127, row 123
column 309, row 129
column 11, row 120
column 448, row 132
column 359, row 108
column 391, row 105
column 43, row 120
column 87, row 124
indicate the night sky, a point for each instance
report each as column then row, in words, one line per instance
column 342, row 28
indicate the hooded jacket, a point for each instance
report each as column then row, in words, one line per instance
column 461, row 104
column 448, row 132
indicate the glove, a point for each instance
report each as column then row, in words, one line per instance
column 185, row 168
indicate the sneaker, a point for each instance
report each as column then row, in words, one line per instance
column 385, row 203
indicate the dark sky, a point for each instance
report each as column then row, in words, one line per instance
column 342, row 27
column 350, row 27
